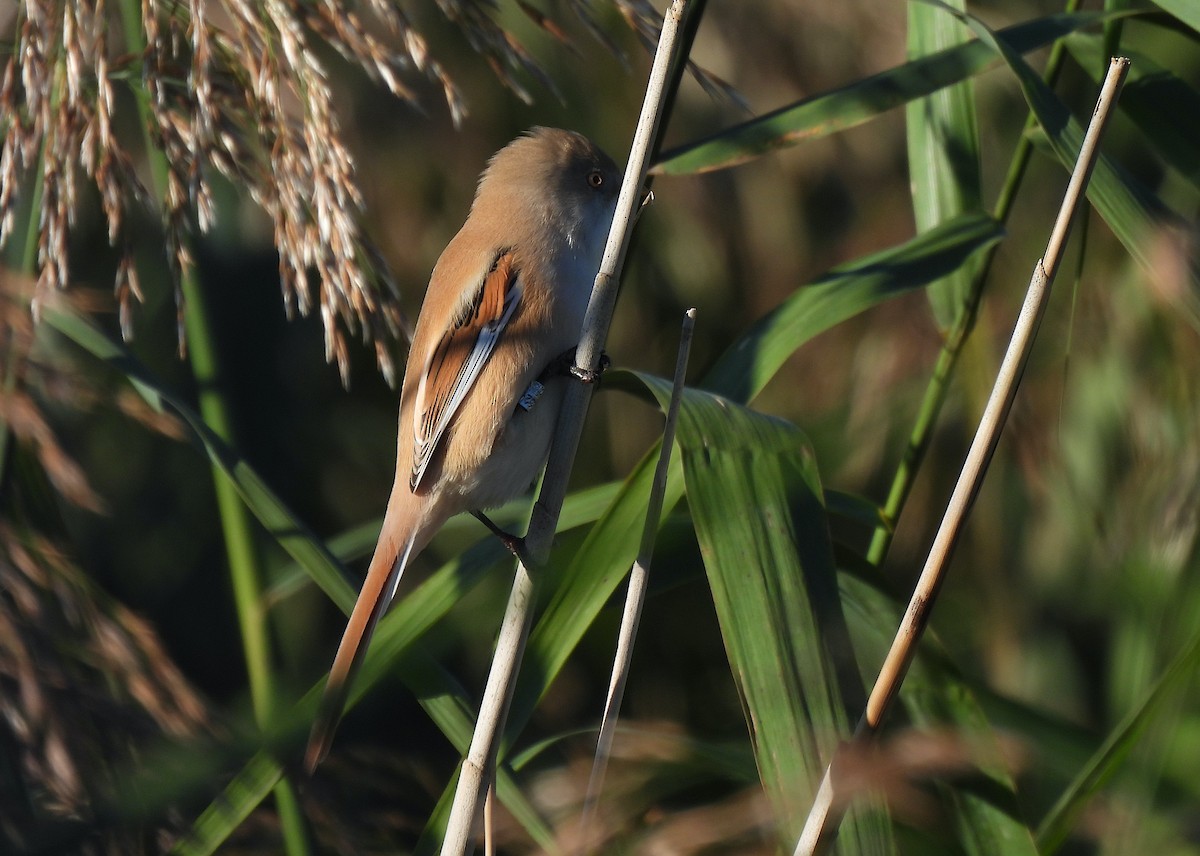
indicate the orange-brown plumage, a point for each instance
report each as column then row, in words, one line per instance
column 506, row 298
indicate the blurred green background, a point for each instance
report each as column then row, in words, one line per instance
column 1074, row 587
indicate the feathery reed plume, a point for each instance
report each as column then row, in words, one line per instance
column 231, row 87
column 85, row 683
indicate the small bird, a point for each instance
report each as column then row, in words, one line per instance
column 485, row 373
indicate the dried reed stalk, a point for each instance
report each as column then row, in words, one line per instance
column 829, row 805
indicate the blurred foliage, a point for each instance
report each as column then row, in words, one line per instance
column 1053, row 706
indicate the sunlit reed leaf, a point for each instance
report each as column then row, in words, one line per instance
column 1185, row 10
column 1130, row 209
column 755, row 499
column 1164, row 106
column 861, row 101
column 744, row 369
column 943, row 153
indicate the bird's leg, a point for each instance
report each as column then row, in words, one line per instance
column 511, row 542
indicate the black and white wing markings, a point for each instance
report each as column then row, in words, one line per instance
column 459, row 356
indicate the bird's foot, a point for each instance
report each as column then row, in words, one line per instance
column 512, row 543
column 564, row 364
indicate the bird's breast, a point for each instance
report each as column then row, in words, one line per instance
column 574, row 275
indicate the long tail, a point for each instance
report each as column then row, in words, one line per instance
column 379, row 587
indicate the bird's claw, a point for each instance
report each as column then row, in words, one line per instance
column 512, row 543
column 565, row 364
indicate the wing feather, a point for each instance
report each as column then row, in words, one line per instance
column 459, row 357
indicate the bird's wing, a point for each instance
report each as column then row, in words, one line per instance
column 459, row 356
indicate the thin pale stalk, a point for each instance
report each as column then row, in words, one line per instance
column 635, row 597
column 825, row 816
column 935, row 392
column 514, row 631
column 241, row 552
column 489, row 806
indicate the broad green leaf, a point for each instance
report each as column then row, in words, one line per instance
column 1165, row 108
column 744, row 474
column 744, row 369
column 943, row 152
column 863, row 100
column 739, row 374
column 1129, row 208
column 1187, row 11
column 431, row 838
column 241, row 796
column 755, row 500
column 1057, row 825
column 603, row 561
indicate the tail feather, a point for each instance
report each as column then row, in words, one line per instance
column 378, row 589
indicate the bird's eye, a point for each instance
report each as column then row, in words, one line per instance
column 595, row 178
